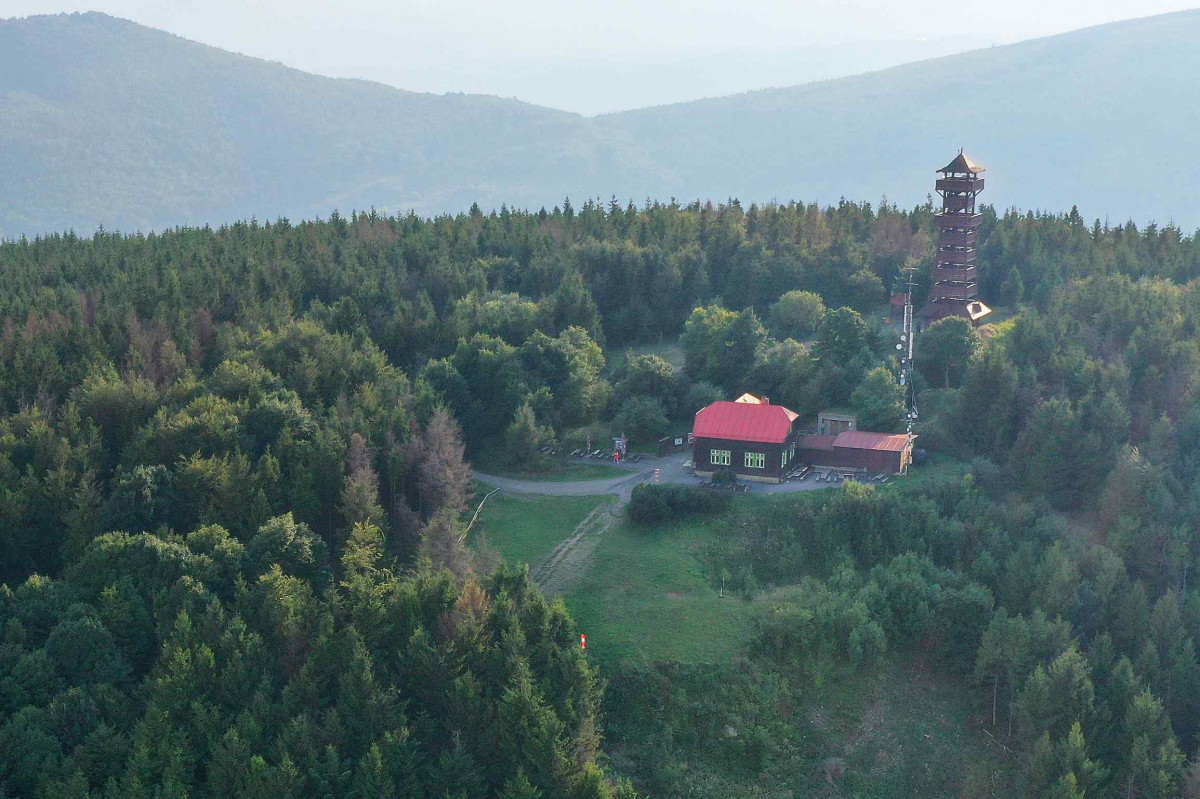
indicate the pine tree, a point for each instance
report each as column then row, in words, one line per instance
column 519, row 787
column 444, row 544
column 360, row 491
column 371, row 780
column 525, row 437
column 1012, row 289
column 444, row 476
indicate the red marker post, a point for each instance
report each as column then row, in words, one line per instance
column 582, row 641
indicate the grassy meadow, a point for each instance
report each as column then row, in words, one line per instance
column 523, row 528
column 645, row 598
column 904, row 728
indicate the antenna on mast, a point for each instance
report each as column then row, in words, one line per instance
column 906, row 347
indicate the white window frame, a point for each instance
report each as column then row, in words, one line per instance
column 755, row 460
column 719, row 457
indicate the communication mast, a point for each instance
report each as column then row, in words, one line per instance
column 906, row 347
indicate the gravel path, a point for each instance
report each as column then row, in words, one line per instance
column 568, row 561
column 622, row 486
column 672, row 469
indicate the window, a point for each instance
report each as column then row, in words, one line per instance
column 783, row 459
column 756, row 460
column 719, row 457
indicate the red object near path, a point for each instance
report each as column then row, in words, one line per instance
column 582, row 641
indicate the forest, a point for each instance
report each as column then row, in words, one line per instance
column 236, row 472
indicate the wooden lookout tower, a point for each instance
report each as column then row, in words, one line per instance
column 955, row 290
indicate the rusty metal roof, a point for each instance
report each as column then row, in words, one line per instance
column 740, row 421
column 963, row 163
column 859, row 439
column 817, row 442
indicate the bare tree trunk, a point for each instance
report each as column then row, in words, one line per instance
column 995, row 690
column 1011, row 700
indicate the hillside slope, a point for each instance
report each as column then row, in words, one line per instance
column 106, row 122
column 1103, row 117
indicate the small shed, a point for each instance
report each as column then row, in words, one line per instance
column 832, row 422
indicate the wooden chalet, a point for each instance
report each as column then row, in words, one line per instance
column 752, row 437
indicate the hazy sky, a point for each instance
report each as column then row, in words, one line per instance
column 558, row 53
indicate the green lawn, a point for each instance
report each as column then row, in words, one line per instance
column 939, row 466
column 906, row 728
column 524, row 528
column 644, row 598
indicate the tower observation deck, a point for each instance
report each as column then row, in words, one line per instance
column 955, row 289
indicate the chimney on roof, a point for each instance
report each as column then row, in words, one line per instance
column 766, row 400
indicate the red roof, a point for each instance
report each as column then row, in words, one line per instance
column 740, row 421
column 858, row 439
column 815, row 442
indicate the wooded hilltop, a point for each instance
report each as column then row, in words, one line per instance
column 235, row 466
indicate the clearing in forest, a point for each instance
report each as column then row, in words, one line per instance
column 527, row 528
column 644, row 598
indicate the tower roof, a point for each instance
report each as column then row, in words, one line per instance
column 962, row 163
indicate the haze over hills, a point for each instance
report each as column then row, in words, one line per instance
column 106, row 122
column 589, row 83
column 1104, row 118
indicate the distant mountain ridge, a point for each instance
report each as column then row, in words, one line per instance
column 103, row 121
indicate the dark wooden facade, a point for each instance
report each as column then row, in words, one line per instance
column 955, row 290
column 865, row 452
column 775, row 464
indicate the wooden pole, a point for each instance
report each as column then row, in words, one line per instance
column 476, row 516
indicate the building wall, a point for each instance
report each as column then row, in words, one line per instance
column 874, row 460
column 830, row 423
column 871, row 460
column 771, row 470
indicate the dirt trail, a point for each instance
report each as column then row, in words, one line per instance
column 568, row 561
